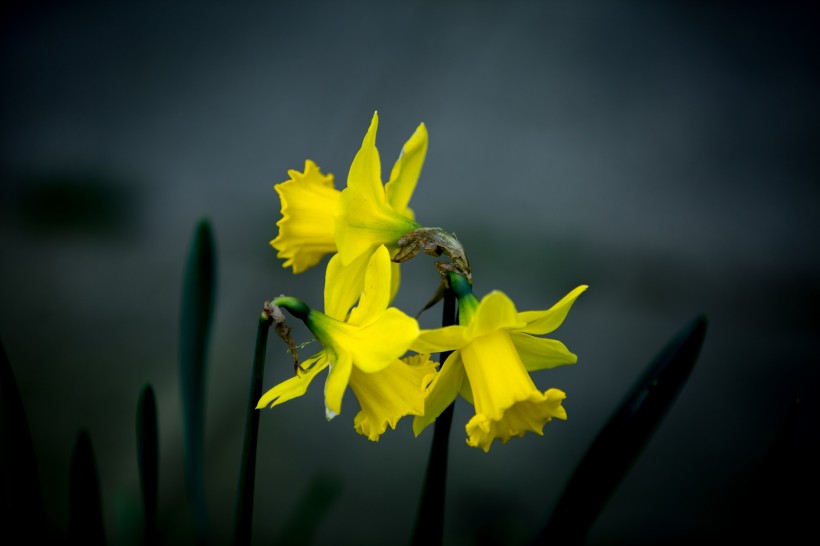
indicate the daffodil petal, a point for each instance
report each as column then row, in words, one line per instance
column 383, row 340
column 336, row 384
column 295, row 386
column 372, row 345
column 307, row 227
column 343, row 285
column 375, row 296
column 544, row 322
column 538, row 353
column 390, row 394
column 443, row 391
column 405, row 174
column 437, row 340
column 363, row 223
column 495, row 312
column 365, row 170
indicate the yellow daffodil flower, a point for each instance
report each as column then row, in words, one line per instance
column 317, row 219
column 494, row 349
column 362, row 348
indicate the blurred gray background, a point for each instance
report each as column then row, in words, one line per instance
column 666, row 155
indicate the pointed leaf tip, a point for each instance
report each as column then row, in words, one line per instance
column 85, row 524
column 148, row 460
column 23, row 510
column 197, row 305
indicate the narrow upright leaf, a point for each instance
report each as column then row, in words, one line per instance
column 198, row 292
column 623, row 438
column 148, row 460
column 429, row 530
column 23, row 511
column 85, row 518
column 247, row 469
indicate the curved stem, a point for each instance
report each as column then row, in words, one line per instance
column 247, row 471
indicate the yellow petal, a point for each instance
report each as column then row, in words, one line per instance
column 307, row 227
column 336, row 384
column 295, row 386
column 372, row 346
column 405, row 174
column 544, row 322
column 390, row 394
column 495, row 312
column 385, row 339
column 375, row 296
column 541, row 353
column 365, row 174
column 364, row 222
column 443, row 391
column 447, row 338
column 343, row 285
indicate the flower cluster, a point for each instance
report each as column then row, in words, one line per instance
column 379, row 351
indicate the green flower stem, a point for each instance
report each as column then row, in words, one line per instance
column 467, row 302
column 247, row 470
column 296, row 307
column 429, row 529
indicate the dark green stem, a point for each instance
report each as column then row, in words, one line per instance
column 467, row 302
column 430, row 518
column 459, row 284
column 296, row 307
column 247, row 470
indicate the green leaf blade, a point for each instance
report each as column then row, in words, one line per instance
column 198, row 295
column 85, row 518
column 148, row 460
column 623, row 438
column 23, row 510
